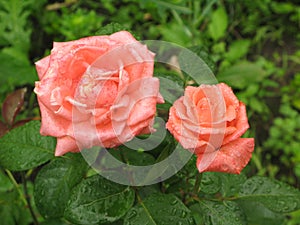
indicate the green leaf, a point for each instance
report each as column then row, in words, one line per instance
column 168, row 30
column 14, row 71
column 203, row 54
column 274, row 195
column 283, row 7
column 54, row 222
column 257, row 214
column 237, row 50
column 171, row 86
column 96, row 200
column 5, row 183
column 174, row 6
column 231, row 183
column 242, row 74
column 159, row 209
column 110, row 29
column 219, row 213
column 114, row 27
column 210, row 183
column 218, row 25
column 12, row 210
column 227, row 184
column 54, row 182
column 132, row 157
column 24, row 148
column 197, row 65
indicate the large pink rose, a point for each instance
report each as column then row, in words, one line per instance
column 209, row 120
column 97, row 91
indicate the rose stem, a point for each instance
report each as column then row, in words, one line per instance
column 197, row 183
column 17, row 186
column 27, row 197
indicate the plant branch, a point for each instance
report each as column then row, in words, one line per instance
column 196, row 188
column 17, row 186
column 35, row 221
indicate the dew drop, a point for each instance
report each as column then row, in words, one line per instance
column 132, row 214
column 190, row 221
column 42, row 193
column 174, row 211
column 281, row 204
column 174, row 202
column 295, row 205
column 183, row 214
column 268, row 190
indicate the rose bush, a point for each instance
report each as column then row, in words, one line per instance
column 97, row 90
column 209, row 120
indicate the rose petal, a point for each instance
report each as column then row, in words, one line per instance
column 64, row 145
column 81, row 80
column 123, row 36
column 228, row 95
column 42, row 66
column 241, row 124
column 231, row 158
column 54, row 125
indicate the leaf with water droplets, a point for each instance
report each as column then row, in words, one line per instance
column 24, row 148
column 12, row 105
column 257, row 214
column 231, row 183
column 159, row 209
column 210, row 183
column 54, row 182
column 275, row 195
column 219, row 213
column 97, row 200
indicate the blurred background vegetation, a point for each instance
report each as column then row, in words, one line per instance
column 254, row 45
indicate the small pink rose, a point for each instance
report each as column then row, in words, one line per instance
column 209, row 120
column 97, row 91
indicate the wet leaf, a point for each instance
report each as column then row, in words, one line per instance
column 219, row 213
column 12, row 210
column 54, row 182
column 274, row 195
column 96, row 200
column 257, row 214
column 210, row 183
column 24, row 148
column 159, row 209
